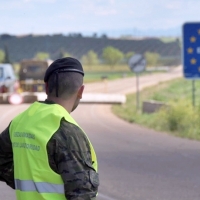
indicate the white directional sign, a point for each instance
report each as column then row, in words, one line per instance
column 137, row 63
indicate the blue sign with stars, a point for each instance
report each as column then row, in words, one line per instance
column 191, row 50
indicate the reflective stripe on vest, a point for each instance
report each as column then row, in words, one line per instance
column 40, row 187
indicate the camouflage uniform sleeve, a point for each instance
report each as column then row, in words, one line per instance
column 69, row 155
column 6, row 159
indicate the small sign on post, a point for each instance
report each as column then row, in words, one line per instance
column 137, row 64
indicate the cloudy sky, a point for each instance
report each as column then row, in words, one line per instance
column 111, row 17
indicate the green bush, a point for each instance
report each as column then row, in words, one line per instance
column 180, row 118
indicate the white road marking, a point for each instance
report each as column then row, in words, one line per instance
column 105, row 197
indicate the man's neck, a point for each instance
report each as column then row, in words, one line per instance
column 67, row 104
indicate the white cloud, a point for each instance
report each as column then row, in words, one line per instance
column 106, row 12
column 99, row 7
column 174, row 5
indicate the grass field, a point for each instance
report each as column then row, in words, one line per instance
column 181, row 118
column 109, row 75
column 99, row 72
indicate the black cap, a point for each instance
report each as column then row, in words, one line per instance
column 67, row 64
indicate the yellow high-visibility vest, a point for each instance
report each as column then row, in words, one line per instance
column 30, row 132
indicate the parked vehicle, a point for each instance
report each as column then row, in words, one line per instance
column 8, row 79
column 31, row 75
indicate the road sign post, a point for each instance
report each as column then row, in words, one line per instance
column 191, row 53
column 137, row 64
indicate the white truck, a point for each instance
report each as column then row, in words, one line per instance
column 8, row 79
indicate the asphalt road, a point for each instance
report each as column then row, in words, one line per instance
column 135, row 163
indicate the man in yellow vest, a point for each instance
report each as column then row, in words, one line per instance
column 44, row 154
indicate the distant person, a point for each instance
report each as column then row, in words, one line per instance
column 44, row 154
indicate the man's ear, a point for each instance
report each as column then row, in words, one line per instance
column 46, row 88
column 80, row 92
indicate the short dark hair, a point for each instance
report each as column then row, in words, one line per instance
column 68, row 84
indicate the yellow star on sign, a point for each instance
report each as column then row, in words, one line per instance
column 190, row 50
column 193, row 61
column 192, row 39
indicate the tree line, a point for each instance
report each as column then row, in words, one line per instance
column 110, row 56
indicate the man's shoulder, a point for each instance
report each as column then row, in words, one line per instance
column 70, row 135
column 67, row 140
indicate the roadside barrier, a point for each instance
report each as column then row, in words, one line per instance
column 152, row 106
column 30, row 97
